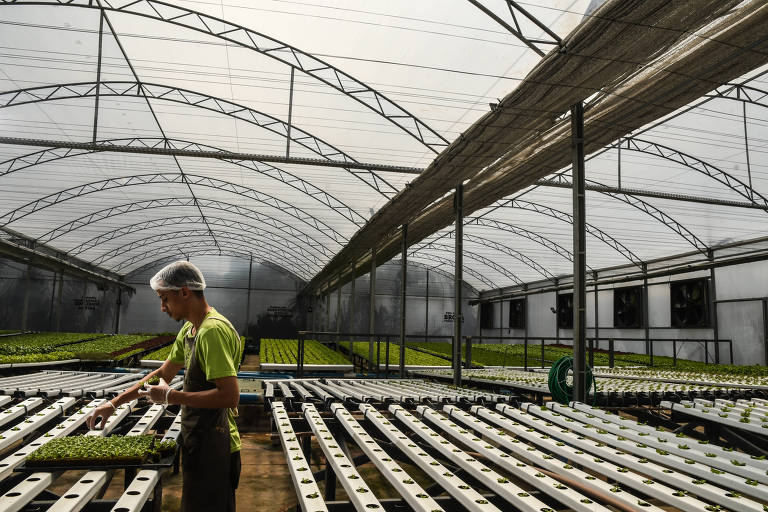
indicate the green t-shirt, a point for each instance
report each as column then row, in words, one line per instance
column 218, row 351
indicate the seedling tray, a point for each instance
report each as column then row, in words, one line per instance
column 55, row 467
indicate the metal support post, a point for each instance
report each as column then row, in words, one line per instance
column 426, row 310
column 372, row 304
column 403, row 290
column 338, row 312
column 610, row 353
column 351, row 323
column 765, row 332
column 386, row 356
column 118, row 305
column 98, row 77
column 58, row 302
column 674, row 352
column 248, row 298
column 501, row 319
column 468, row 355
column 525, row 353
column 597, row 315
column 579, row 254
column 542, row 352
column 458, row 206
column 27, row 291
column 646, row 321
column 713, row 285
column 300, row 356
column 290, row 117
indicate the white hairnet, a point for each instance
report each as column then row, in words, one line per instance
column 178, row 274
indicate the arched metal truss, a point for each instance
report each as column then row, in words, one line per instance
column 696, row 164
column 54, row 154
column 517, row 230
column 203, row 251
column 174, row 202
column 504, row 249
column 566, row 217
column 277, row 238
column 415, row 249
column 646, row 207
column 199, row 100
column 275, row 252
column 169, row 178
column 741, row 92
column 184, row 247
column 450, row 263
column 270, row 47
column 279, row 246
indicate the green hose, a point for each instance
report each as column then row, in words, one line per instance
column 558, row 384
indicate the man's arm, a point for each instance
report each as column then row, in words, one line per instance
column 167, row 371
column 226, row 394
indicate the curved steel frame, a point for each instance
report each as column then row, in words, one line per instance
column 696, row 164
column 517, row 230
column 270, row 47
column 199, row 100
column 55, row 154
column 307, row 266
column 504, row 249
column 205, row 251
column 469, row 254
column 568, row 218
column 173, row 202
column 204, row 242
column 194, row 219
column 648, row 208
column 445, row 261
column 166, row 178
column 202, row 235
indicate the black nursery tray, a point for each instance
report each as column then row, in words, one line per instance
column 54, row 467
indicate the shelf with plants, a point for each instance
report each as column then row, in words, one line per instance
column 413, row 358
column 282, row 354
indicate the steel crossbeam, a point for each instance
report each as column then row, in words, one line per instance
column 452, row 484
column 489, row 478
column 693, row 444
column 616, row 465
column 307, row 490
column 660, row 456
column 357, row 490
column 709, row 415
column 525, row 452
column 62, row 429
column 19, row 410
column 410, row 491
column 34, row 422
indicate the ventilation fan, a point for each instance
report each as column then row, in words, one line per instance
column 517, row 314
column 689, row 302
column 565, row 311
column 628, row 307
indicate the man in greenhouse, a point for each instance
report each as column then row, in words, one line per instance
column 209, row 347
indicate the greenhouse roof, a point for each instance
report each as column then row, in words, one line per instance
column 305, row 133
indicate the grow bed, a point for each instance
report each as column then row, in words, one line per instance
column 96, row 452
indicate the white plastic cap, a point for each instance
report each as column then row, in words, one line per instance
column 178, row 274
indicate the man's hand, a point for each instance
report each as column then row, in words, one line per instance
column 156, row 394
column 102, row 412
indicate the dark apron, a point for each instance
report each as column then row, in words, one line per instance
column 205, row 447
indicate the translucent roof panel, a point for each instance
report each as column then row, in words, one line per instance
column 382, row 83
